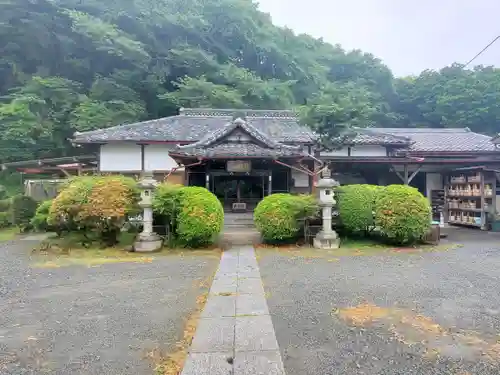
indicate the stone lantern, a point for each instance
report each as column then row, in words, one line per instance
column 327, row 238
column 147, row 240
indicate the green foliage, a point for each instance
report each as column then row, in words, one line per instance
column 5, row 220
column 195, row 214
column 277, row 217
column 451, row 97
column 70, row 65
column 356, row 207
column 200, row 218
column 167, row 201
column 5, row 205
column 402, row 214
column 22, row 209
column 98, row 205
column 39, row 221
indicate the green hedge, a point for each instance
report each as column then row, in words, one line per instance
column 22, row 210
column 5, row 220
column 356, row 206
column 402, row 214
column 195, row 214
column 278, row 216
column 5, row 205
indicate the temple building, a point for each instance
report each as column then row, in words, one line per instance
column 243, row 155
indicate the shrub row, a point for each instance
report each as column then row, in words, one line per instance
column 399, row 213
column 194, row 214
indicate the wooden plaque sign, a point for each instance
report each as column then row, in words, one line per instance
column 242, row 166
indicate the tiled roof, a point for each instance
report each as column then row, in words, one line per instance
column 191, row 125
column 370, row 137
column 442, row 140
column 237, row 150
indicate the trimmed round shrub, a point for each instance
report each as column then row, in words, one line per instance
column 99, row 204
column 39, row 221
column 402, row 214
column 356, row 207
column 22, row 210
column 278, row 216
column 194, row 214
column 200, row 217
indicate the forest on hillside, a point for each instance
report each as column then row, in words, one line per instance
column 77, row 65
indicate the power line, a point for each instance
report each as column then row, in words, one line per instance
column 481, row 52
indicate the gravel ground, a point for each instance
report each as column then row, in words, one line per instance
column 439, row 313
column 102, row 320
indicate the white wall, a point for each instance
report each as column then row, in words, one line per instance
column 368, row 151
column 120, row 157
column 357, row 151
column 126, row 157
column 342, row 152
column 156, row 158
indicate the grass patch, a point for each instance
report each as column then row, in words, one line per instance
column 353, row 247
column 69, row 250
column 7, row 234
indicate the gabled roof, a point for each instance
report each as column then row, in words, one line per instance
column 442, row 140
column 231, row 126
column 257, row 145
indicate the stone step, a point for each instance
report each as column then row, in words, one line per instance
column 238, row 219
column 240, row 236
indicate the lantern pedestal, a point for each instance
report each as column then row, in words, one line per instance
column 327, row 238
column 147, row 241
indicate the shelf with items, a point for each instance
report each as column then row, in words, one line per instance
column 437, row 203
column 470, row 196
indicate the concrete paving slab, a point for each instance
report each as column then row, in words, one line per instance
column 219, row 306
column 258, row 363
column 255, row 333
column 208, row 364
column 224, row 285
column 252, row 285
column 214, row 335
column 251, row 304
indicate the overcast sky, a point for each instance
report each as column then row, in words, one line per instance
column 408, row 35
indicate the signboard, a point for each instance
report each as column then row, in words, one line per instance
column 301, row 180
column 241, row 166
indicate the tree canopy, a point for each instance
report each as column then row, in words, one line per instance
column 72, row 65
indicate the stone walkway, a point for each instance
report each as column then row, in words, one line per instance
column 235, row 335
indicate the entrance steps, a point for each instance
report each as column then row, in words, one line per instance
column 239, row 229
column 239, row 220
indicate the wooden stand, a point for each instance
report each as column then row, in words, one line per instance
column 470, row 197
